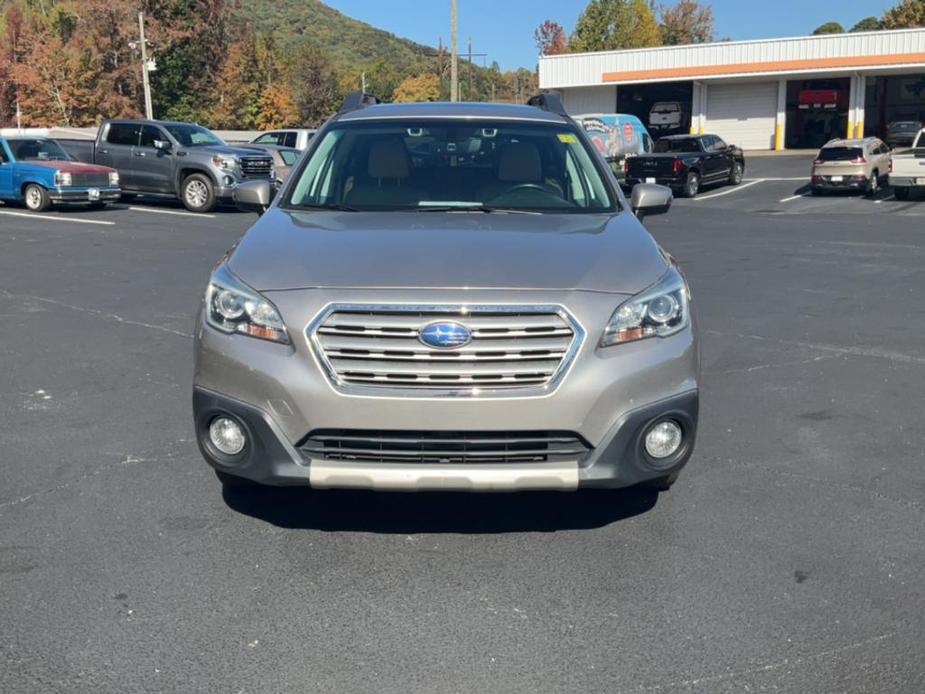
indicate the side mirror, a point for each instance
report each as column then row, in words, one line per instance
column 254, row 196
column 162, row 145
column 649, row 198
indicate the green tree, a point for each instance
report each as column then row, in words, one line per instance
column 685, row 23
column 423, row 87
column 313, row 82
column 615, row 24
column 906, row 15
column 829, row 28
column 867, row 24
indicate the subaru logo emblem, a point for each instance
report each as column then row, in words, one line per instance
column 445, row 335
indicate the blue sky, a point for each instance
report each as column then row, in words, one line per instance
column 504, row 28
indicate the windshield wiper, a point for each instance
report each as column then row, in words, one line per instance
column 473, row 208
column 335, row 208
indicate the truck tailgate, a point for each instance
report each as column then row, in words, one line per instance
column 651, row 166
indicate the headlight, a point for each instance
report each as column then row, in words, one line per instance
column 233, row 307
column 662, row 309
column 225, row 163
column 62, row 179
column 113, row 178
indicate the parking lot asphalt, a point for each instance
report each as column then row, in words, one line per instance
column 788, row 558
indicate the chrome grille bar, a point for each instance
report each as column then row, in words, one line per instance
column 368, row 349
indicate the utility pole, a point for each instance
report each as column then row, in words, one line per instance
column 454, row 57
column 363, row 82
column 469, row 68
column 149, row 111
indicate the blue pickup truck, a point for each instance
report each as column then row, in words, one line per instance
column 37, row 172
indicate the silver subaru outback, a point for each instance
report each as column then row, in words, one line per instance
column 447, row 296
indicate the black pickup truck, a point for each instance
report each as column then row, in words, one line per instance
column 686, row 162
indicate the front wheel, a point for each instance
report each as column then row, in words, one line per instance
column 36, row 198
column 735, row 176
column 901, row 193
column 691, row 186
column 198, row 193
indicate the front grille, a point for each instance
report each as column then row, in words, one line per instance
column 446, row 447
column 510, row 347
column 90, row 179
column 256, row 167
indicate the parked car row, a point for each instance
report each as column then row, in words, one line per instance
column 182, row 161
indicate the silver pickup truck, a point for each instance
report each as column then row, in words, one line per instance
column 907, row 170
column 176, row 160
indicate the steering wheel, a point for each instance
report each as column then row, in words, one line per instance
column 526, row 186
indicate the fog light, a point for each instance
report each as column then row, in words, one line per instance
column 228, row 181
column 227, row 435
column 664, row 439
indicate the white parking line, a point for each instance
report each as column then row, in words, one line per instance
column 175, row 212
column 730, row 191
column 792, row 178
column 794, row 197
column 70, row 220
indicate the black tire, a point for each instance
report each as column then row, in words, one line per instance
column 661, row 484
column 901, row 193
column 36, row 198
column 235, row 482
column 735, row 176
column 691, row 186
column 198, row 193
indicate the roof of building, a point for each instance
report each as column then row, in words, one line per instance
column 877, row 51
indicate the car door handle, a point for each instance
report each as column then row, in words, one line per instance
column 103, row 151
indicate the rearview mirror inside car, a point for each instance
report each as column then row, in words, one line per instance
column 254, row 196
column 649, row 198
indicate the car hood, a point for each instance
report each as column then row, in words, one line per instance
column 71, row 167
column 293, row 250
column 227, row 151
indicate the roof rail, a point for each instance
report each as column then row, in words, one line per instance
column 548, row 102
column 357, row 100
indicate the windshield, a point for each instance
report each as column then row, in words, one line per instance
column 193, row 135
column 906, row 126
column 289, row 156
column 686, row 144
column 840, row 154
column 452, row 165
column 37, row 150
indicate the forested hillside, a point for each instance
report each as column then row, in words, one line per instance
column 225, row 63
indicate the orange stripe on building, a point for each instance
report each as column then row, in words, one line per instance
column 779, row 66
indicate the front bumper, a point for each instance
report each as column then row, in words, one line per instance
column 620, row 460
column 73, row 194
column 608, row 397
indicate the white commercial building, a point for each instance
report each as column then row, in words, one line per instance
column 769, row 94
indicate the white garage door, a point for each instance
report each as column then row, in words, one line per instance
column 743, row 114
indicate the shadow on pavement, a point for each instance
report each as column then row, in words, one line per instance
column 438, row 512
